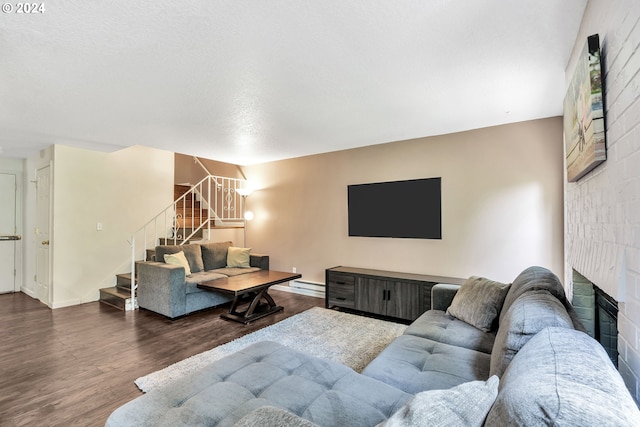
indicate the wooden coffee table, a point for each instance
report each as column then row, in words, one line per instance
column 250, row 288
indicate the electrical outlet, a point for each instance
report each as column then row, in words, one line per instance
column 295, row 270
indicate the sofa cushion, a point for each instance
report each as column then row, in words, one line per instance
column 415, row 364
column 531, row 279
column 478, row 302
column 528, row 315
column 195, row 279
column 192, row 252
column 214, row 255
column 465, row 405
column 438, row 326
column 265, row 374
column 178, row 259
column 238, row 257
column 562, row 377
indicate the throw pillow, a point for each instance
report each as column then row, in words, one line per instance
column 178, row 259
column 238, row 257
column 192, row 253
column 478, row 302
column 214, row 255
column 465, row 405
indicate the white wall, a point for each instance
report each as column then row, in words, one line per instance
column 603, row 209
column 502, row 204
column 122, row 190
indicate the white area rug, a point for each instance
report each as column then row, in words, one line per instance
column 344, row 338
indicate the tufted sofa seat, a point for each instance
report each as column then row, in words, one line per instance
column 265, row 374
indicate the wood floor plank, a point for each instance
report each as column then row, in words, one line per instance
column 73, row 366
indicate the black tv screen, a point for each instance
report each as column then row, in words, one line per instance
column 404, row 209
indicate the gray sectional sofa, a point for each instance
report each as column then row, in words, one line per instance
column 486, row 354
column 167, row 288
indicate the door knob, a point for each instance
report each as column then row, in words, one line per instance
column 45, row 242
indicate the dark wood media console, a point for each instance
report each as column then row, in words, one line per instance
column 400, row 295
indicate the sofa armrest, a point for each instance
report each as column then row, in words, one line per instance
column 260, row 261
column 442, row 294
column 161, row 288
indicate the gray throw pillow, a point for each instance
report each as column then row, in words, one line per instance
column 478, row 302
column 214, row 255
column 466, row 405
column 192, row 252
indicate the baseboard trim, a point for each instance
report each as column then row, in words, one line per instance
column 299, row 291
column 28, row 292
column 68, row 303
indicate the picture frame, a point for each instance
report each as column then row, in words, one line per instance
column 584, row 114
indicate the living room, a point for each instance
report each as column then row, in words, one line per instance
column 506, row 203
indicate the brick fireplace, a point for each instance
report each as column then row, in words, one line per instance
column 602, row 220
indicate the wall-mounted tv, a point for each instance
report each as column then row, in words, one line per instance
column 404, row 209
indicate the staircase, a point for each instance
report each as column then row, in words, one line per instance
column 189, row 218
column 118, row 296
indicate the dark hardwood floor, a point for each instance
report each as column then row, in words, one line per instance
column 73, row 366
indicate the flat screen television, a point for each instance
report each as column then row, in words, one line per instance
column 404, row 209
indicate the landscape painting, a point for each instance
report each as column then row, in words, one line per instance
column 584, row 130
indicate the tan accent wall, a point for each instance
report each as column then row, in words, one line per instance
column 502, row 204
column 187, row 171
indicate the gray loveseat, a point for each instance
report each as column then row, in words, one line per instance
column 531, row 365
column 168, row 290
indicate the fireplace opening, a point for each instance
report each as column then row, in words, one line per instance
column 598, row 312
column 607, row 323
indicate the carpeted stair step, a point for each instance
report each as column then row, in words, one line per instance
column 180, row 190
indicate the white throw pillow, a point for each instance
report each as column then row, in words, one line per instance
column 466, row 405
column 178, row 259
column 238, row 257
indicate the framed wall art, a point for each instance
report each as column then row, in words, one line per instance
column 584, row 130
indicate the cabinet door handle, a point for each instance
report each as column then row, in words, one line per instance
column 341, row 283
column 341, row 298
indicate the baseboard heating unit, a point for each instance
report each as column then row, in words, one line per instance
column 303, row 287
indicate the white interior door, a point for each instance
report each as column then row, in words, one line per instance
column 7, row 232
column 43, row 215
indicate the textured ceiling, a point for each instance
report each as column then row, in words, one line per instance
column 253, row 81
